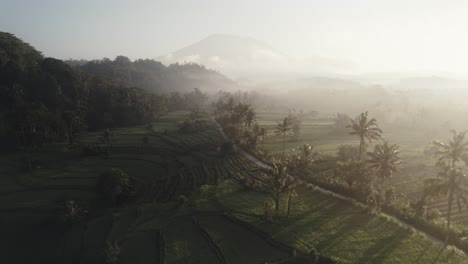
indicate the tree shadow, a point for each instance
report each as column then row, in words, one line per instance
column 382, row 249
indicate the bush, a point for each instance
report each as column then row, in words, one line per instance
column 193, row 126
column 112, row 252
column 115, row 186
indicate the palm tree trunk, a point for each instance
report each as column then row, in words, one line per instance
column 361, row 147
column 449, row 211
column 379, row 201
column 277, row 203
column 284, row 142
column 289, row 202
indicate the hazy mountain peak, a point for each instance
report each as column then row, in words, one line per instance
column 240, row 56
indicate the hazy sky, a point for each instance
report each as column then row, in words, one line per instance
column 378, row 35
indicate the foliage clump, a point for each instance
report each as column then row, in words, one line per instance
column 115, row 186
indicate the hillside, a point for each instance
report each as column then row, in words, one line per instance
column 155, row 77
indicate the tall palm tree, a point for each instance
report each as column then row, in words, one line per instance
column 456, row 150
column 451, row 180
column 384, row 160
column 263, row 132
column 303, row 160
column 366, row 130
column 277, row 182
column 283, row 128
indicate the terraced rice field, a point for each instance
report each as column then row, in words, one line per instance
column 415, row 168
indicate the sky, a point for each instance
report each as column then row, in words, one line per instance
column 377, row 35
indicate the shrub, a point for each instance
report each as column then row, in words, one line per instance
column 112, row 252
column 115, row 185
column 71, row 213
column 268, row 211
column 193, row 126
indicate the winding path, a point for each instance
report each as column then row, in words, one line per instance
column 327, row 192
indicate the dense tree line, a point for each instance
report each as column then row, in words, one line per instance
column 45, row 100
column 154, row 76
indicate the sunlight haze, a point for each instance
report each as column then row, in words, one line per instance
column 373, row 36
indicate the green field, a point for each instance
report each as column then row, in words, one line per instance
column 416, row 165
column 190, row 208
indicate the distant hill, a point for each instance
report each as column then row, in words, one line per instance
column 44, row 100
column 156, row 77
column 244, row 57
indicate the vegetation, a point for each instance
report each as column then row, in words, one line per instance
column 115, row 185
column 451, row 180
column 365, row 129
column 277, row 183
column 187, row 193
column 384, row 161
column 283, row 128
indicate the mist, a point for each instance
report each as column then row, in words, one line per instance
column 249, row 131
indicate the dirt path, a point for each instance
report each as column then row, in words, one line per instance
column 324, row 191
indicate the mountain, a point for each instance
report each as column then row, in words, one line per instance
column 245, row 57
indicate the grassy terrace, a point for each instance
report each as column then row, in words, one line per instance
column 196, row 230
column 339, row 229
column 416, row 166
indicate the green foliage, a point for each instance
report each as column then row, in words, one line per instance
column 302, row 159
column 112, row 252
column 353, row 172
column 194, row 126
column 365, row 129
column 347, row 152
column 384, row 161
column 115, row 185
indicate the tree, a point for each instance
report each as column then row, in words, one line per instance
column 384, row 160
column 456, row 150
column 263, row 132
column 365, row 129
column 296, row 124
column 347, row 152
column 115, row 185
column 277, row 182
column 250, row 116
column 352, row 172
column 302, row 161
column 451, row 180
column 283, row 128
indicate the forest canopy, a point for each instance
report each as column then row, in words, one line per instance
column 46, row 100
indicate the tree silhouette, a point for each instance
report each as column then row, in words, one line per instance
column 384, row 160
column 283, row 128
column 366, row 130
column 277, row 182
column 451, row 180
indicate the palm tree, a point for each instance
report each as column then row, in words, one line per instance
column 304, row 159
column 250, row 116
column 283, row 128
column 365, row 129
column 263, row 132
column 450, row 181
column 456, row 150
column 277, row 182
column 384, row 160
